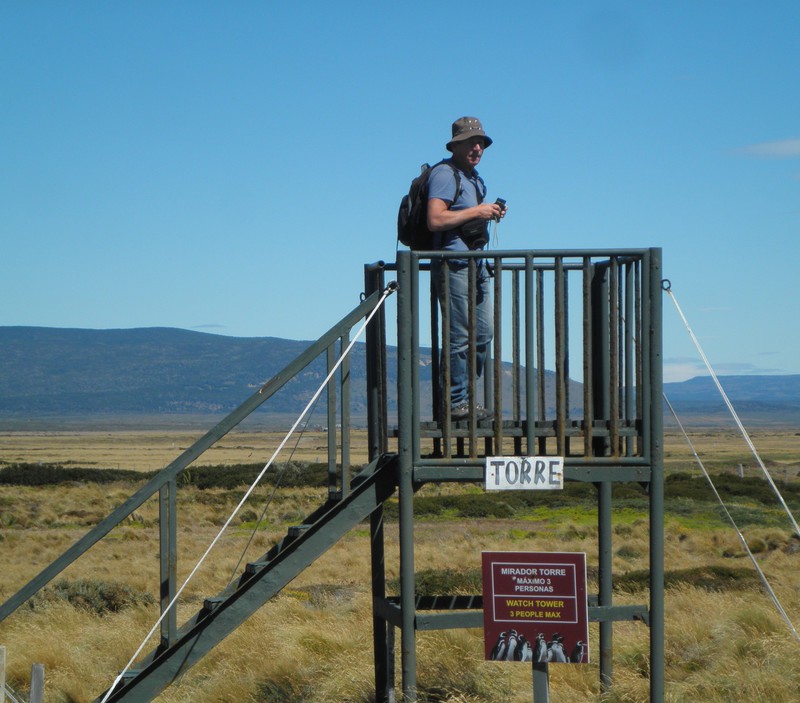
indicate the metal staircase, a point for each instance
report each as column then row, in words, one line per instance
column 260, row 581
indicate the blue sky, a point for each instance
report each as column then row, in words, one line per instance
column 230, row 167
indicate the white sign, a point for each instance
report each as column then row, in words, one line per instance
column 524, row 473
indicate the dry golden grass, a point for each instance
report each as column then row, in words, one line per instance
column 148, row 450
column 314, row 642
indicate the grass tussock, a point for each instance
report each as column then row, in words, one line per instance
column 98, row 597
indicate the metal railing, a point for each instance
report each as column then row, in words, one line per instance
column 585, row 315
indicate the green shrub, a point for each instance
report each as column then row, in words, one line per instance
column 27, row 474
column 436, row 582
column 99, row 597
column 709, row 578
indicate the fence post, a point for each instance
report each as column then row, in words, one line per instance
column 37, row 683
column 541, row 683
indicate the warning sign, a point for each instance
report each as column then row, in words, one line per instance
column 534, row 607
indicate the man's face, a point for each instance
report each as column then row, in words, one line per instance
column 468, row 153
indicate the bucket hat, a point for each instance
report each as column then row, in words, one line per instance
column 466, row 128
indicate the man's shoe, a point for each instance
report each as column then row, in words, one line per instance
column 461, row 412
column 482, row 413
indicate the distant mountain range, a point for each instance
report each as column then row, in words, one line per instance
column 68, row 373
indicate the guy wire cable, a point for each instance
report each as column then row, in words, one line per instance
column 390, row 288
column 761, row 575
column 278, row 480
column 667, row 287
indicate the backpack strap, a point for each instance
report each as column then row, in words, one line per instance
column 480, row 192
column 456, row 175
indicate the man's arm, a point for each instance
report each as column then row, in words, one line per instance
column 441, row 219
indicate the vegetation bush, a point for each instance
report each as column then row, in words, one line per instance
column 684, row 485
column 709, row 578
column 226, row 476
column 98, row 597
column 31, row 474
column 434, row 582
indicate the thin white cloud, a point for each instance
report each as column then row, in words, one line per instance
column 677, row 369
column 783, row 149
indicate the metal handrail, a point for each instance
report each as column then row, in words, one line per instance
column 165, row 480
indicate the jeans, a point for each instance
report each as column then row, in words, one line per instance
column 459, row 323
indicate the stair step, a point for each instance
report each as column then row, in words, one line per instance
column 255, row 567
column 297, row 530
column 211, row 604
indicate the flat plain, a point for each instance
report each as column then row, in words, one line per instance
column 725, row 638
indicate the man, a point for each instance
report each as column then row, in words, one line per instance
column 459, row 219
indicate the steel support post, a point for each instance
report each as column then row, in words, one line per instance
column 168, row 530
column 344, row 412
column 541, row 683
column 405, row 445
column 333, row 478
column 605, row 595
column 377, row 430
column 377, row 435
column 494, row 398
column 380, row 628
column 530, row 363
column 652, row 285
column 601, row 355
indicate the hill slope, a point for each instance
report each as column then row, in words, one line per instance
column 52, row 372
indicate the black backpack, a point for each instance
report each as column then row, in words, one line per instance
column 412, row 218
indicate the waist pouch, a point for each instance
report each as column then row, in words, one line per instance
column 475, row 233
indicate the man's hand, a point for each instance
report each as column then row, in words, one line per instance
column 441, row 219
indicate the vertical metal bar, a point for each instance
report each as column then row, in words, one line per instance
column 600, row 355
column 444, row 288
column 497, row 403
column 639, row 351
column 436, row 389
column 2, row 673
column 540, row 374
column 168, row 551
column 605, row 595
column 344, row 370
column 390, row 648
column 565, row 323
column 332, row 433
column 516, row 360
column 530, row 356
column 613, row 338
column 559, row 308
column 471, row 355
column 377, row 431
column 489, row 386
column 588, row 401
column 541, row 683
column 405, row 414
column 488, row 393
column 656, row 412
column 415, row 405
column 380, row 628
column 630, row 322
column 37, row 683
